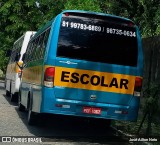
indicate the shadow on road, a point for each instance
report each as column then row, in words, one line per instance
column 58, row 128
column 8, row 100
column 70, row 129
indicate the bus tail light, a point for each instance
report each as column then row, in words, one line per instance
column 49, row 77
column 138, row 86
column 66, row 14
column 131, row 24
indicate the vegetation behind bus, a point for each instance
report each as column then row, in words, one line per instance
column 148, row 121
column 18, row 17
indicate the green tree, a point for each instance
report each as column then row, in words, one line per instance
column 145, row 13
column 15, row 21
column 88, row 5
column 18, row 16
column 4, row 61
column 150, row 17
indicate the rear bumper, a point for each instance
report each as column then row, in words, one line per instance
column 75, row 108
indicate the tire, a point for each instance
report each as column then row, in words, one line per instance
column 14, row 97
column 32, row 116
column 20, row 106
column 8, row 93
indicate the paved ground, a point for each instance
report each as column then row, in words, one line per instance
column 55, row 129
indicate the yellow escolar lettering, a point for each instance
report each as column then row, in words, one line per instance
column 94, row 80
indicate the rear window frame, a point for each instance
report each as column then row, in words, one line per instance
column 101, row 61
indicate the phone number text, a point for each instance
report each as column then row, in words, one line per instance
column 98, row 29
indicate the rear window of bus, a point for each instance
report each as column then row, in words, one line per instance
column 97, row 40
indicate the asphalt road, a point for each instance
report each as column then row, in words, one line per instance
column 59, row 130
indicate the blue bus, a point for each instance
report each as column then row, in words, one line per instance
column 83, row 64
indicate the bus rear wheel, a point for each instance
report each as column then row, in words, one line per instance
column 8, row 93
column 20, row 106
column 32, row 116
column 14, row 97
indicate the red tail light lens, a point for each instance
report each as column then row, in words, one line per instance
column 66, row 14
column 138, row 82
column 49, row 77
column 138, row 86
column 130, row 24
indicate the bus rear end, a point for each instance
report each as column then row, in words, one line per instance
column 96, row 69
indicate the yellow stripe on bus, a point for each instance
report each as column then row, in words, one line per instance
column 33, row 74
column 94, row 80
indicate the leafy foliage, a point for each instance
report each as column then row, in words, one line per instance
column 18, row 16
column 88, row 5
column 152, row 95
column 145, row 13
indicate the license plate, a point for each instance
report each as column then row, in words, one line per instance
column 92, row 110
